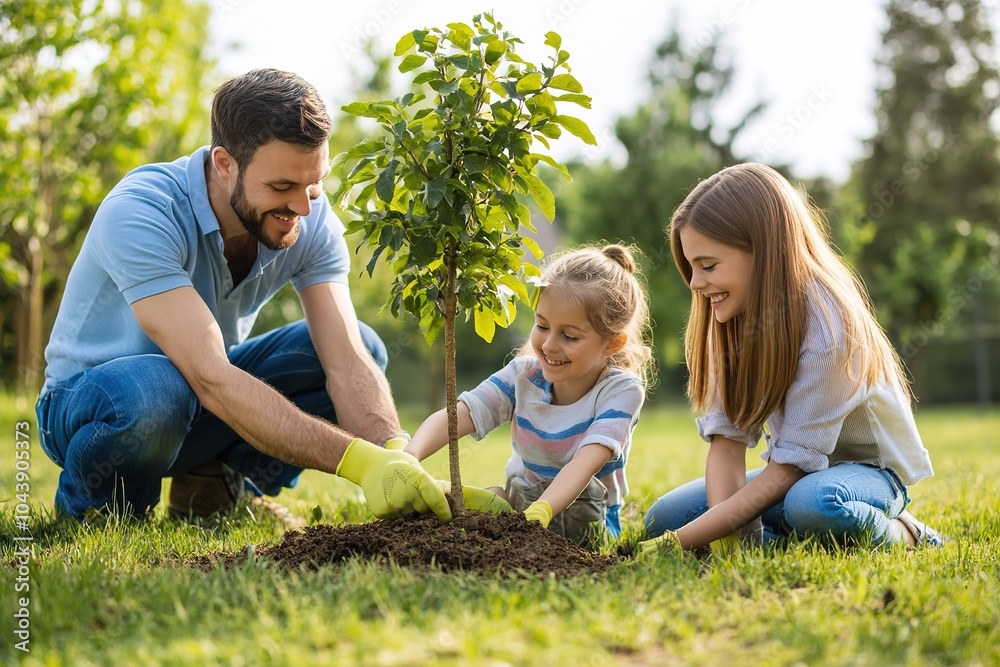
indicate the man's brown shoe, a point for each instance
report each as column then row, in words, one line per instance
column 215, row 489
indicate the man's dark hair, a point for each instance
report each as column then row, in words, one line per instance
column 266, row 104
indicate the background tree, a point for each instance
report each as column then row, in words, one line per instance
column 921, row 212
column 88, row 90
column 672, row 141
column 437, row 189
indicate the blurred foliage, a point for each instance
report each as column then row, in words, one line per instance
column 672, row 141
column 88, row 91
column 921, row 213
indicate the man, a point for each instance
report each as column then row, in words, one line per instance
column 149, row 370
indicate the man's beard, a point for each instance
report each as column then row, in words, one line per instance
column 253, row 220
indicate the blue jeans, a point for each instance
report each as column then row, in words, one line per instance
column 119, row 428
column 849, row 502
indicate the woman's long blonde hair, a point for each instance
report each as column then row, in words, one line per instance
column 751, row 360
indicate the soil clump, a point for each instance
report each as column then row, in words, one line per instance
column 484, row 544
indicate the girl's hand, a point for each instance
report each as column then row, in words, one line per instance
column 539, row 511
column 479, row 500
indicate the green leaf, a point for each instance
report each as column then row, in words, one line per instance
column 424, row 77
column 533, row 246
column 577, row 127
column 356, row 108
column 412, row 62
column 552, row 163
column 552, row 39
column 436, row 190
column 375, row 255
column 461, row 35
column 405, row 43
column 486, row 324
column 449, row 87
column 566, row 82
column 542, row 195
column 524, row 217
column 573, row 98
column 431, row 322
column 362, row 149
column 495, row 51
column 385, row 186
column 550, row 130
column 515, row 285
column 541, row 105
column 427, row 43
column 529, row 83
column 474, row 162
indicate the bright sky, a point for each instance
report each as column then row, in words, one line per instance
column 812, row 61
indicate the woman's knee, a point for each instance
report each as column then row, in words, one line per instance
column 676, row 508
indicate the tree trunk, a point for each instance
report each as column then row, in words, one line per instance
column 33, row 375
column 29, row 326
column 451, row 384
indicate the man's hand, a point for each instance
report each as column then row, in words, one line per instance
column 539, row 511
column 479, row 500
column 667, row 543
column 393, row 482
column 397, row 444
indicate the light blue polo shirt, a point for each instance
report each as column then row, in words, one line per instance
column 156, row 232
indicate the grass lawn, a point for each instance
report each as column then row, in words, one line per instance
column 112, row 595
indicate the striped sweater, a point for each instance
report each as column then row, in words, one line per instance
column 545, row 437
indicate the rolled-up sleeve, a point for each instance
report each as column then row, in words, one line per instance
column 715, row 422
column 616, row 413
column 492, row 402
column 818, row 402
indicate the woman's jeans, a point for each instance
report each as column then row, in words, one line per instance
column 849, row 502
column 119, row 428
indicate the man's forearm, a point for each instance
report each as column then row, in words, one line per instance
column 363, row 402
column 272, row 423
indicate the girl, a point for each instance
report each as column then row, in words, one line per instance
column 782, row 333
column 572, row 395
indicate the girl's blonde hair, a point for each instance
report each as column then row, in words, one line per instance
column 604, row 283
column 751, row 360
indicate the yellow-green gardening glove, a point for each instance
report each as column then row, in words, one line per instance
column 726, row 546
column 539, row 511
column 396, row 444
column 393, row 481
column 479, row 500
column 666, row 543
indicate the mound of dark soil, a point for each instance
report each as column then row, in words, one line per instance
column 484, row 544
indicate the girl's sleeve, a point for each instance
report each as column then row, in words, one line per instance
column 715, row 422
column 492, row 402
column 818, row 402
column 617, row 411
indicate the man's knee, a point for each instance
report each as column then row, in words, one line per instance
column 147, row 407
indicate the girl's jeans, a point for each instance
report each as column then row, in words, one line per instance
column 849, row 502
column 119, row 428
